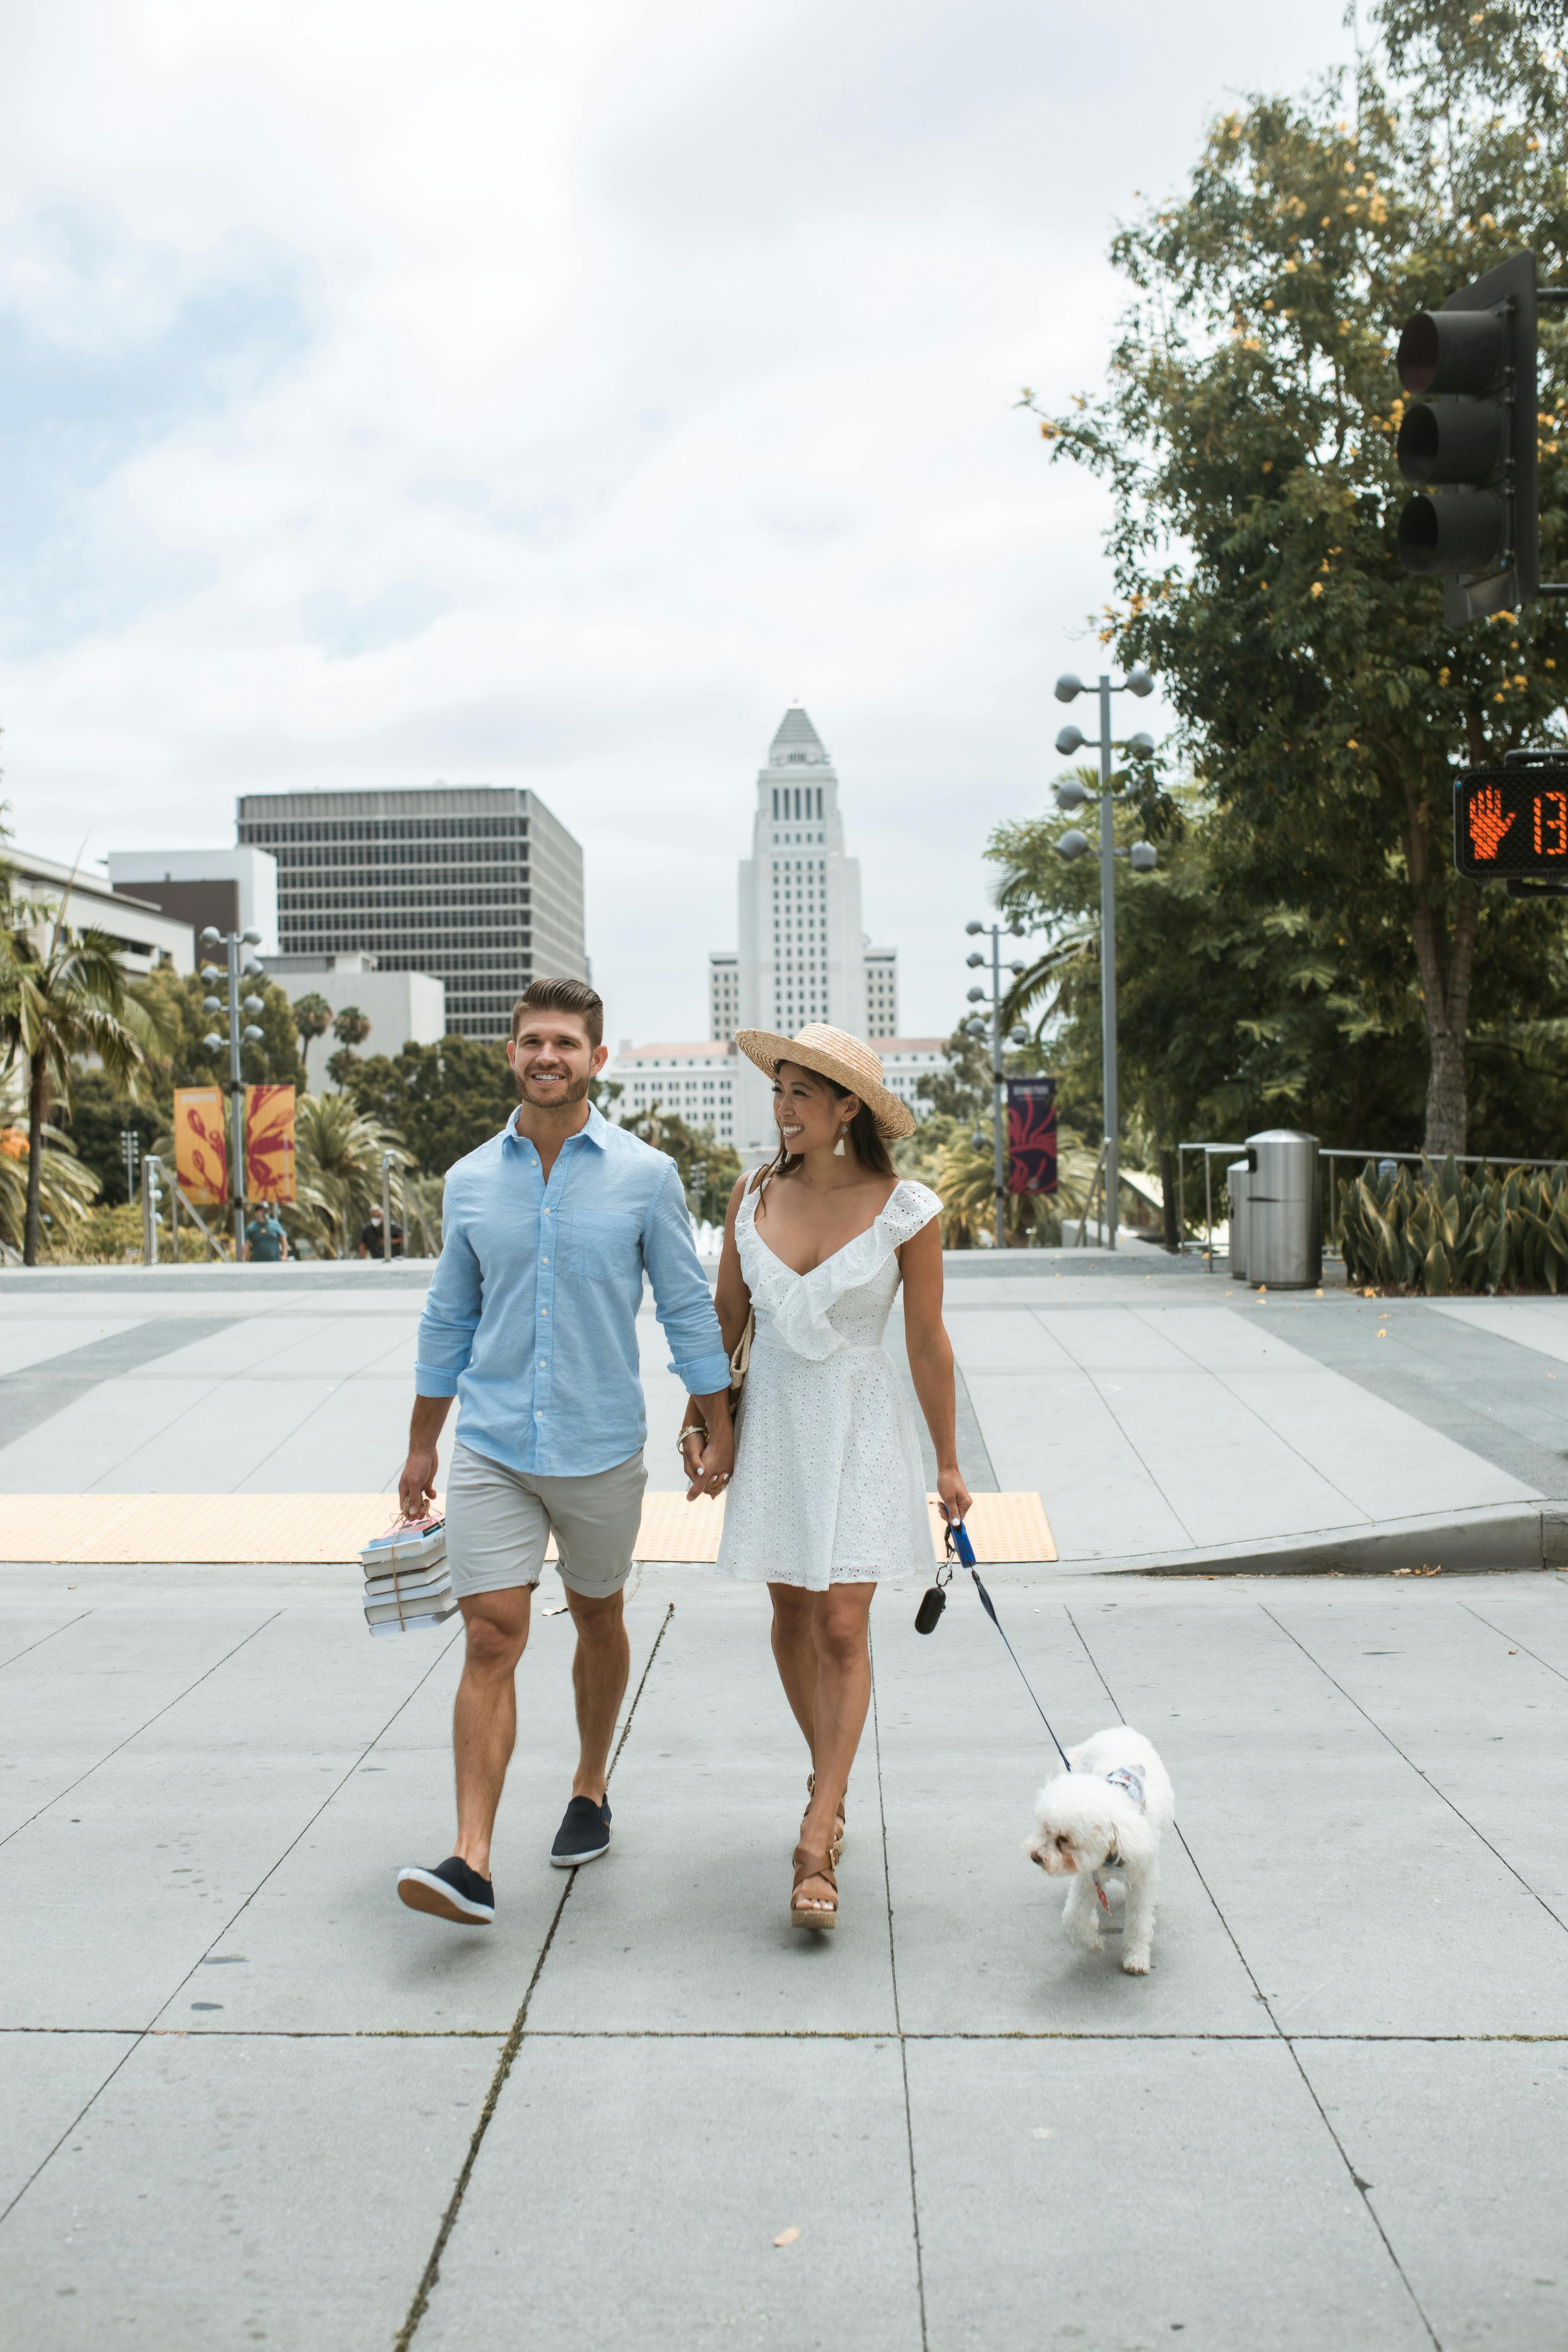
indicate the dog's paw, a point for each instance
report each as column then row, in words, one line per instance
column 1089, row 1943
column 1136, row 1964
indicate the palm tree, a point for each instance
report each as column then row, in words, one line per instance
column 312, row 1019
column 66, row 1189
column 337, row 1169
column 58, row 1001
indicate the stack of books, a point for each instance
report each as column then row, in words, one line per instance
column 407, row 1580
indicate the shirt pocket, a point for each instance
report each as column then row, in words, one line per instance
column 603, row 1244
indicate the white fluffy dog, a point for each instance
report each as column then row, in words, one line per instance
column 1113, row 1807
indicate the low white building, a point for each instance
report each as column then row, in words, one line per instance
column 698, row 1082
column 905, row 1062
column 404, row 1008
column 145, row 936
column 695, row 1082
column 232, row 889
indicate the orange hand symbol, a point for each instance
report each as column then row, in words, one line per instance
column 1488, row 822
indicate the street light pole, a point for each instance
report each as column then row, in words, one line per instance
column 998, row 1075
column 1071, row 795
column 239, row 1036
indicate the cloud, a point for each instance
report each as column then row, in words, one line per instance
column 545, row 397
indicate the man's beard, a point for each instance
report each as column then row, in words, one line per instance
column 572, row 1092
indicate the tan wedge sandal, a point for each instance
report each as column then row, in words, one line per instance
column 836, row 1848
column 805, row 1915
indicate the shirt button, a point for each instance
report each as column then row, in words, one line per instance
column 544, row 1310
column 545, row 1261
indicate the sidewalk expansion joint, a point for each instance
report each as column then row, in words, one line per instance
column 510, row 2048
column 897, row 2020
column 1288, row 2042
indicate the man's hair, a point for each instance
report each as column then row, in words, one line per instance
column 562, row 996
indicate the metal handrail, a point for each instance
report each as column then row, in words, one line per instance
column 1325, row 1151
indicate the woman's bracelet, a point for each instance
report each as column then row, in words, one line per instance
column 697, row 1429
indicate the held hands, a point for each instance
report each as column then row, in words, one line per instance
column 952, row 1495
column 417, row 1486
column 707, row 1455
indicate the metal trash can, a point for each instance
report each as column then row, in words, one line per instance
column 1284, row 1211
column 1237, row 1177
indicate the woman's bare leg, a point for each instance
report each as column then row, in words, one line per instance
column 795, row 1654
column 837, row 1684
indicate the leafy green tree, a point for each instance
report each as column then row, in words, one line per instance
column 99, row 1114
column 443, row 1100
column 961, row 1090
column 1247, row 433
column 710, row 1170
column 275, row 1061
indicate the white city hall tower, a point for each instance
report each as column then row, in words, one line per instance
column 803, row 955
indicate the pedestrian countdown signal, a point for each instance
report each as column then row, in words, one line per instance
column 1512, row 820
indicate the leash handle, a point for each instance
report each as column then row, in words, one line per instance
column 958, row 1543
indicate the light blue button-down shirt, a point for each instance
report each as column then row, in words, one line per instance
column 530, row 1321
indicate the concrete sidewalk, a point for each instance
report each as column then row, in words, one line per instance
column 251, row 2100
column 1167, row 1418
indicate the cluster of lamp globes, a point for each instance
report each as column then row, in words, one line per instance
column 251, row 970
column 1071, row 795
column 976, row 1027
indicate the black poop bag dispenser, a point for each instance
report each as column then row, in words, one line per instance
column 934, row 1599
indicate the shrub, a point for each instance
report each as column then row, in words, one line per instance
column 1442, row 1230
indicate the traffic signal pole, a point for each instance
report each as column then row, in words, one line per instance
column 1108, row 959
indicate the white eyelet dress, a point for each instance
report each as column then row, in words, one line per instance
column 829, row 1485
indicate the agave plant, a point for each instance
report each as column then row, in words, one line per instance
column 337, row 1172
column 1442, row 1230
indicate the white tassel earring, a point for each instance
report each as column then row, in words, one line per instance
column 839, row 1147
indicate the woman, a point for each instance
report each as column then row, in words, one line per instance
column 829, row 1493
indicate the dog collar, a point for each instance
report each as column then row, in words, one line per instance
column 1128, row 1778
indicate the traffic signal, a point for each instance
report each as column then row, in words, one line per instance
column 1510, row 820
column 1467, row 439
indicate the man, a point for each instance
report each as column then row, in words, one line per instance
column 370, row 1241
column 531, row 1321
column 266, row 1243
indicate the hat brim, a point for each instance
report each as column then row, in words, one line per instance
column 768, row 1047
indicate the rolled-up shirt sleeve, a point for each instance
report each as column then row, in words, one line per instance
column 451, row 1315
column 681, row 1295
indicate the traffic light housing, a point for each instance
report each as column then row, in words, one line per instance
column 1466, row 439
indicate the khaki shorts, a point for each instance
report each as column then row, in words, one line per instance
column 500, row 1520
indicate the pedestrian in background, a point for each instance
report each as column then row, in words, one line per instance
column 266, row 1243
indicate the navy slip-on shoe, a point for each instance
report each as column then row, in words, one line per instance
column 450, row 1891
column 583, row 1834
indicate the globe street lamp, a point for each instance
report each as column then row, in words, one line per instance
column 976, row 1027
column 1072, row 795
column 242, row 1031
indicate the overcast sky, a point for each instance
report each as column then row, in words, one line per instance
column 508, row 394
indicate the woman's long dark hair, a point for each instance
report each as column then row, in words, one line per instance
column 865, row 1137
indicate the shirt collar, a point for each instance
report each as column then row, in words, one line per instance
column 596, row 1133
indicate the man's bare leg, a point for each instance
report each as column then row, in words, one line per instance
column 600, row 1668
column 484, row 1719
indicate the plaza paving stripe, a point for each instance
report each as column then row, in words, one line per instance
column 31, row 1397
column 286, row 1530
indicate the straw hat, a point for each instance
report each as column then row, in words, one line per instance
column 834, row 1055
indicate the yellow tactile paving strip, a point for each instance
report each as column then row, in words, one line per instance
column 266, row 1530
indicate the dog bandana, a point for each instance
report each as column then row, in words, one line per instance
column 1129, row 1778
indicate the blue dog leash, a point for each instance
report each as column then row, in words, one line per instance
column 935, row 1601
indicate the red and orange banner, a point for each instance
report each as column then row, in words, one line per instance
column 201, row 1146
column 270, row 1143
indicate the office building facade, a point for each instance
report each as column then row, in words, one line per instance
column 478, row 885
